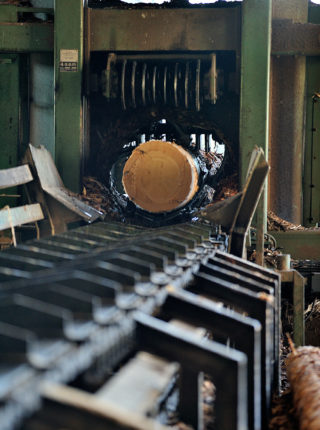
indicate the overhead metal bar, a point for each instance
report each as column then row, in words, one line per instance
column 26, row 37
column 184, row 29
column 293, row 38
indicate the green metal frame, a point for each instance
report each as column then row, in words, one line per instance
column 9, row 118
column 297, row 282
column 311, row 182
column 68, row 35
column 186, row 29
column 254, row 96
column 17, row 41
column 304, row 244
column 26, row 37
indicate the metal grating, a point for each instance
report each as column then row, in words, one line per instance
column 81, row 302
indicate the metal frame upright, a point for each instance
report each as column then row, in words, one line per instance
column 68, row 54
column 254, row 95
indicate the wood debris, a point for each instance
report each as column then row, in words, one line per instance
column 283, row 414
column 276, row 223
column 227, row 187
column 270, row 257
column 100, row 197
column 5, row 240
column 313, row 324
column 303, row 369
column 213, row 161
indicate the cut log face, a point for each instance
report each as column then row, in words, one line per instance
column 160, row 176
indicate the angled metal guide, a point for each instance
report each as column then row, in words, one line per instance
column 60, row 205
column 235, row 214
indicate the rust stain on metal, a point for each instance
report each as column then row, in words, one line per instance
column 290, row 38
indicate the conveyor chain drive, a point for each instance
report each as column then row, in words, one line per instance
column 78, row 304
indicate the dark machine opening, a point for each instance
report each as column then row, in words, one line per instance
column 188, row 99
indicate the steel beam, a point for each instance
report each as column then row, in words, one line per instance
column 68, row 52
column 299, row 244
column 254, row 97
column 9, row 118
column 164, row 29
column 311, row 179
column 298, row 292
column 289, row 38
column 26, row 37
column 311, row 182
column 287, row 122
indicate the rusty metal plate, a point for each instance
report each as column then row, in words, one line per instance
column 164, row 29
column 290, row 38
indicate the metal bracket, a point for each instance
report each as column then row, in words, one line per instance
column 226, row 366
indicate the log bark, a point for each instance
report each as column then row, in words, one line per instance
column 303, row 369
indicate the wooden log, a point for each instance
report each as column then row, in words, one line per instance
column 160, row 176
column 303, row 369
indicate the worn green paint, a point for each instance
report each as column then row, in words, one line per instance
column 68, row 34
column 24, row 99
column 311, row 179
column 9, row 117
column 254, row 98
column 8, row 13
column 26, row 37
column 298, row 309
column 297, row 284
column 23, row 36
column 165, row 29
column 300, row 244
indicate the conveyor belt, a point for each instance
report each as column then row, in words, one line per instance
column 81, row 302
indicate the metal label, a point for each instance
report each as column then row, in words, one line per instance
column 69, row 60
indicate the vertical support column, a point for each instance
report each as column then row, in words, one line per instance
column 42, row 101
column 287, row 121
column 9, row 118
column 254, row 98
column 311, row 183
column 68, row 50
column 298, row 309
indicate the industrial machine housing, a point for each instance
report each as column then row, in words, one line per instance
column 88, row 80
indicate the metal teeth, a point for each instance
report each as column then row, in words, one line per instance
column 177, row 84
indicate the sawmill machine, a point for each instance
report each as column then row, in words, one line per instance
column 160, row 103
column 163, row 89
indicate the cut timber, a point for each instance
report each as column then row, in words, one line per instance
column 12, row 217
column 139, row 384
column 303, row 369
column 160, row 176
column 15, row 176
